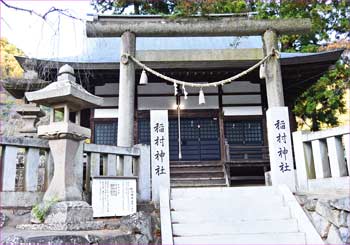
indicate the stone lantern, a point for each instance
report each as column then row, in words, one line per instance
column 66, row 99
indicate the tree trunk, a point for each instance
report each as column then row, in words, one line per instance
column 315, row 124
column 136, row 7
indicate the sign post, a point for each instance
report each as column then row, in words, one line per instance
column 280, row 147
column 159, row 152
column 113, row 196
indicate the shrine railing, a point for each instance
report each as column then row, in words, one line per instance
column 322, row 159
column 27, row 168
column 107, row 160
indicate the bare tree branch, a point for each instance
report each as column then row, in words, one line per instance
column 64, row 12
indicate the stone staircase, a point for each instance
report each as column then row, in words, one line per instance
column 234, row 215
column 197, row 174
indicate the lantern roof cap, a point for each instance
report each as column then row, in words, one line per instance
column 65, row 91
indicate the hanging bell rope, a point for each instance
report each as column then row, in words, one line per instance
column 274, row 53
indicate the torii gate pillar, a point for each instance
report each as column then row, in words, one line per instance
column 126, row 91
column 273, row 75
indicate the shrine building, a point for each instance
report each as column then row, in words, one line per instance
column 222, row 141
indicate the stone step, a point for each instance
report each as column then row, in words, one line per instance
column 198, row 179
column 228, row 202
column 196, row 168
column 265, row 226
column 197, row 185
column 205, row 215
column 239, row 215
column 181, row 163
column 258, row 192
column 195, row 164
column 209, row 181
column 261, row 238
column 196, row 174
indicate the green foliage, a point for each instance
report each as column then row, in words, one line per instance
column 190, row 7
column 321, row 103
column 134, row 6
column 328, row 18
column 173, row 7
column 9, row 66
column 40, row 210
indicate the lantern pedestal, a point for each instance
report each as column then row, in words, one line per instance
column 63, row 186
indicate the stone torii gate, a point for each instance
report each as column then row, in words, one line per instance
column 130, row 27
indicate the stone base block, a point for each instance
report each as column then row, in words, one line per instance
column 69, row 212
column 20, row 199
column 78, row 226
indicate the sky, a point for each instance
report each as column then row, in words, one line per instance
column 59, row 36
column 64, row 38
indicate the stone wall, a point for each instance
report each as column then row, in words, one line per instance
column 330, row 215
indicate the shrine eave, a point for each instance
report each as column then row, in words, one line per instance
column 287, row 59
column 299, row 71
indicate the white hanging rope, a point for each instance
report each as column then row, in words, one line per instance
column 203, row 85
column 179, row 130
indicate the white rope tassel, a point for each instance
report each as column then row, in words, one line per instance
column 184, row 91
column 262, row 74
column 143, row 78
column 201, row 97
column 175, row 89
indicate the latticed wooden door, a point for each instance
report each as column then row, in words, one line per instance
column 200, row 139
column 242, row 134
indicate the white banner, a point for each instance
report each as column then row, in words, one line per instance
column 280, row 147
column 159, row 152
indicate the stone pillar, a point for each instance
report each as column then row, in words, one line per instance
column 280, row 147
column 273, row 76
column 126, row 91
